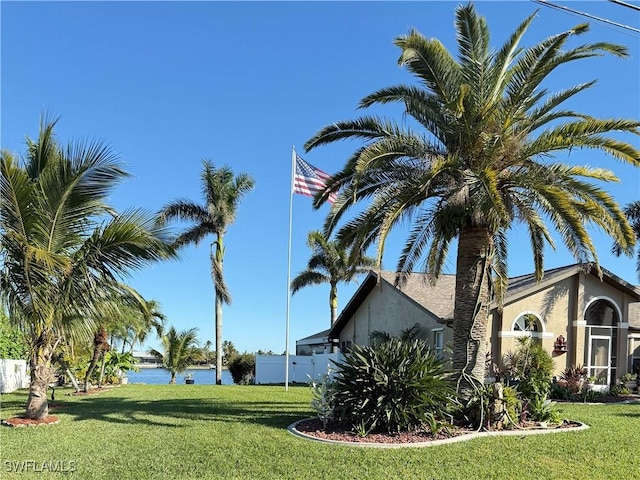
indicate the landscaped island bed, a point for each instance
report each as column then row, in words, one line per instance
column 240, row 432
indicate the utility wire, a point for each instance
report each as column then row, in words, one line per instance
column 625, row 4
column 588, row 15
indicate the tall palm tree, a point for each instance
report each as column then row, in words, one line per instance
column 475, row 159
column 63, row 248
column 179, row 349
column 222, row 193
column 632, row 211
column 331, row 262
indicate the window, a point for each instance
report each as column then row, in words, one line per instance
column 346, row 346
column 438, row 342
column 527, row 322
column 635, row 355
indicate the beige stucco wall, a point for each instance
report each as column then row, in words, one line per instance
column 554, row 305
column 561, row 308
column 388, row 310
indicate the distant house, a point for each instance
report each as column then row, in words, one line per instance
column 145, row 360
column 316, row 343
column 576, row 316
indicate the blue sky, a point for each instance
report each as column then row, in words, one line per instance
column 168, row 84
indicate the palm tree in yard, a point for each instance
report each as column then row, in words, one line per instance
column 632, row 211
column 179, row 350
column 331, row 262
column 64, row 250
column 476, row 159
column 222, row 192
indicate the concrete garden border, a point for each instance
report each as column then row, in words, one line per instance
column 433, row 443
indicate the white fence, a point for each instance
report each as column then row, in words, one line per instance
column 270, row 368
column 13, row 375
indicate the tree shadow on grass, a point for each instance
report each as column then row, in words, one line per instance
column 629, row 415
column 180, row 412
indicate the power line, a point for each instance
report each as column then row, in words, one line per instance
column 625, row 4
column 588, row 15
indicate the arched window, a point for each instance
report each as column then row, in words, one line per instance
column 527, row 322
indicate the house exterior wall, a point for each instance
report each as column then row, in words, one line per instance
column 553, row 306
column 388, row 310
column 561, row 308
column 311, row 348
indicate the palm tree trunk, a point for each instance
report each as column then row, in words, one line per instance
column 218, row 341
column 99, row 345
column 472, row 303
column 102, row 364
column 40, row 363
column 218, row 319
column 65, row 366
column 333, row 302
column 173, row 378
column 74, row 380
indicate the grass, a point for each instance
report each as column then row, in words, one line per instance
column 239, row 432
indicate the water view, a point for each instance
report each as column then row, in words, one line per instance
column 161, row 376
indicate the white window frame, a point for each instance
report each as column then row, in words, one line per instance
column 513, row 333
column 634, row 340
column 438, row 346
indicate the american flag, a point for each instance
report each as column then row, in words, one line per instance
column 310, row 180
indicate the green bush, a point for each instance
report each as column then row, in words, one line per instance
column 242, row 368
column 617, row 390
column 561, row 392
column 531, row 369
column 392, row 386
column 12, row 342
column 323, row 397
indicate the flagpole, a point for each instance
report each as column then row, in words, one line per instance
column 286, row 350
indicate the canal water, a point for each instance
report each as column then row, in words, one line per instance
column 160, row 376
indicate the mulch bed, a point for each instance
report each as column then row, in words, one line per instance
column 27, row 422
column 313, row 427
column 606, row 399
column 615, row 399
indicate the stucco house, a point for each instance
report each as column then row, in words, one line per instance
column 577, row 316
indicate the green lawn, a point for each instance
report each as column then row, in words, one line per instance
column 201, row 432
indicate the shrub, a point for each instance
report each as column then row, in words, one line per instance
column 392, row 386
column 531, row 367
column 617, row 390
column 543, row 410
column 513, row 406
column 242, row 368
column 323, row 397
column 574, row 377
column 560, row 392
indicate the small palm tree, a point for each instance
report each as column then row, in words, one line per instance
column 63, row 248
column 477, row 160
column 331, row 262
column 633, row 214
column 150, row 318
column 179, row 351
column 222, row 194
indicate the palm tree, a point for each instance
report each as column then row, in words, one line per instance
column 131, row 314
column 331, row 262
column 632, row 211
column 64, row 249
column 146, row 318
column 222, row 194
column 477, row 159
column 179, row 350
